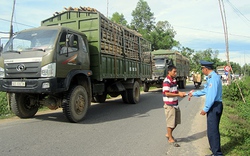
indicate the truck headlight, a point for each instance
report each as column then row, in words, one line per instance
column 2, row 73
column 49, row 70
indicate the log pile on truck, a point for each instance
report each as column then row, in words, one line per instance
column 74, row 57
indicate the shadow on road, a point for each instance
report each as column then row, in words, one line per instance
column 193, row 137
column 113, row 109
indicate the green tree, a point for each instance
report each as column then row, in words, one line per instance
column 236, row 67
column 162, row 36
column 207, row 55
column 246, row 70
column 143, row 19
column 188, row 52
column 119, row 18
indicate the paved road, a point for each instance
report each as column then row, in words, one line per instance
column 110, row 129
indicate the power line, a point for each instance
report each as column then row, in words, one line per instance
column 237, row 11
column 17, row 23
column 215, row 32
column 2, row 32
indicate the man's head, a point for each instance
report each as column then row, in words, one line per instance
column 206, row 67
column 172, row 71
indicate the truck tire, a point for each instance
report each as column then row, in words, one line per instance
column 184, row 83
column 181, row 84
column 100, row 98
column 134, row 94
column 145, row 87
column 75, row 103
column 21, row 105
column 125, row 96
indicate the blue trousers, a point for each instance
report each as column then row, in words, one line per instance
column 213, row 133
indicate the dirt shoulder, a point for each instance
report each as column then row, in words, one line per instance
column 199, row 127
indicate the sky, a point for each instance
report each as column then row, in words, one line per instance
column 198, row 23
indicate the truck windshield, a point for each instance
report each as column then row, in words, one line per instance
column 220, row 71
column 159, row 63
column 34, row 40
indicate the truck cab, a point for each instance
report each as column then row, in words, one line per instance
column 38, row 66
column 35, row 60
column 160, row 68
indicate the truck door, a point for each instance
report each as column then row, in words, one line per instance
column 72, row 54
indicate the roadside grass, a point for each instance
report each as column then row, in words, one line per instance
column 235, row 121
column 235, row 134
column 5, row 112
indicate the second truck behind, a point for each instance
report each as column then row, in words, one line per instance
column 161, row 60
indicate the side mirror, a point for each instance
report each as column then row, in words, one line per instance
column 70, row 40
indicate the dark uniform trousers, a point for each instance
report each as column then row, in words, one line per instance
column 213, row 121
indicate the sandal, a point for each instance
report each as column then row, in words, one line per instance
column 174, row 144
column 168, row 138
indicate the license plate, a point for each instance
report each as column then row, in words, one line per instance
column 19, row 84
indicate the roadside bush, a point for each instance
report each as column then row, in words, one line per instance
column 4, row 108
column 232, row 91
column 236, row 119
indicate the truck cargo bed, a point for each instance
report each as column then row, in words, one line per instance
column 115, row 51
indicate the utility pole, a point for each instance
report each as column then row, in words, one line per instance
column 11, row 21
column 107, row 8
column 224, row 22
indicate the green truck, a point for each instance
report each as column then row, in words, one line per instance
column 74, row 58
column 161, row 59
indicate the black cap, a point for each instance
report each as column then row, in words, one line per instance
column 206, row 64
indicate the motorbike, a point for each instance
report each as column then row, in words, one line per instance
column 197, row 84
column 197, row 80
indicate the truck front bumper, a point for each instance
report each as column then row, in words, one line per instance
column 41, row 85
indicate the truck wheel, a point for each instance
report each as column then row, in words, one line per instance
column 22, row 106
column 183, row 84
column 145, row 87
column 75, row 104
column 134, row 94
column 125, row 96
column 100, row 98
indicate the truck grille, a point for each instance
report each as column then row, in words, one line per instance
column 22, row 70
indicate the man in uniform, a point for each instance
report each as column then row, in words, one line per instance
column 213, row 105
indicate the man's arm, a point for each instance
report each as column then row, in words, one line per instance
column 180, row 94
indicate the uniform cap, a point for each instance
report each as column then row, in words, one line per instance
column 206, row 64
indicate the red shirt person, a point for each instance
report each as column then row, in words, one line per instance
column 170, row 99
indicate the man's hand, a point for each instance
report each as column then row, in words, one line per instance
column 190, row 94
column 182, row 94
column 203, row 112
